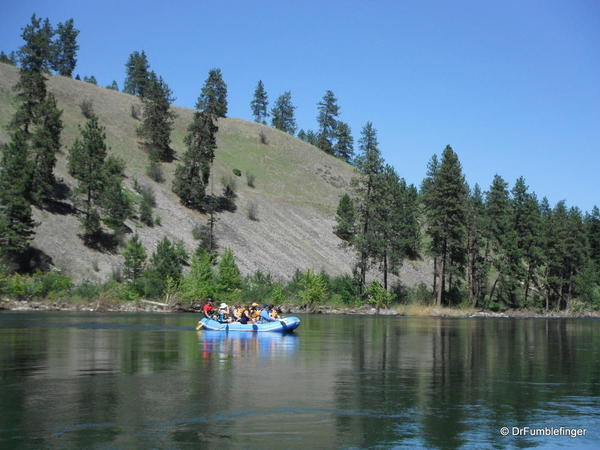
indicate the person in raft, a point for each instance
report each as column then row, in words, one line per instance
column 266, row 314
column 209, row 309
column 224, row 315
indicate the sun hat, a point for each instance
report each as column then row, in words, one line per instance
column 254, row 304
column 223, row 306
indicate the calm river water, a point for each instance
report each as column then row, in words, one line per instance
column 75, row 380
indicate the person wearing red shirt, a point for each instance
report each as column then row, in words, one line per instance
column 209, row 309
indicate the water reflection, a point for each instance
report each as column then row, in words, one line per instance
column 235, row 345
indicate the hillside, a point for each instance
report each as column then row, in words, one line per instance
column 296, row 191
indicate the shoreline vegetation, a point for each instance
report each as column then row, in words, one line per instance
column 401, row 310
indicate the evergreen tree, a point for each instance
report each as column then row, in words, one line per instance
column 477, row 239
column 86, row 165
column 312, row 138
column 229, row 277
column 34, row 57
column 146, row 212
column 134, row 258
column 158, row 118
column 592, row 223
column 91, row 79
column 166, row 262
column 213, row 98
column 199, row 284
column 301, row 135
column 16, row 223
column 114, row 86
column 8, row 59
column 64, row 57
column 345, row 219
column 370, row 167
column 344, row 146
column 45, row 144
column 327, row 119
column 282, row 114
column 446, row 221
column 260, row 103
column 137, row 74
column 192, row 175
column 526, row 223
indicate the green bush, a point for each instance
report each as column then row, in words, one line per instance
column 154, row 172
column 314, row 288
column 237, row 172
column 378, row 296
column 50, row 284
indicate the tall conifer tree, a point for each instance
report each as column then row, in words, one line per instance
column 282, row 114
column 213, row 98
column 327, row 119
column 64, row 55
column 260, row 103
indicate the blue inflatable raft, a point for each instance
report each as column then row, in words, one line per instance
column 282, row 325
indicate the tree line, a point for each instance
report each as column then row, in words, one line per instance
column 502, row 248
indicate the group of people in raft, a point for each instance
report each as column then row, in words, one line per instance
column 240, row 313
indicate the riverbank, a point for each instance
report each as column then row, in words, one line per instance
column 398, row 310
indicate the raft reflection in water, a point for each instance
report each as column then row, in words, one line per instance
column 265, row 345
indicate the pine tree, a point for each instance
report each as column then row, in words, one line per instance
column 229, row 277
column 260, row 103
column 91, row 79
column 282, row 114
column 137, row 68
column 213, row 97
column 477, row 265
column 166, row 262
column 86, row 165
column 301, row 135
column 45, row 144
column 592, row 222
column 134, row 258
column 16, row 223
column 446, row 213
column 199, row 284
column 158, row 118
column 34, row 57
column 113, row 86
column 146, row 212
column 8, row 59
column 64, row 58
column 192, row 175
column 370, row 166
column 345, row 219
column 344, row 146
column 327, row 120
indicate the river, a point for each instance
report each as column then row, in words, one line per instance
column 90, row 380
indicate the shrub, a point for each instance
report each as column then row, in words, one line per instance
column 154, row 172
column 252, row 211
column 420, row 294
column 237, row 172
column 135, row 112
column 314, row 288
column 51, row 284
column 146, row 192
column 263, row 137
column 157, row 221
column 378, row 296
column 198, row 231
column 87, row 108
column 146, row 213
column 250, row 179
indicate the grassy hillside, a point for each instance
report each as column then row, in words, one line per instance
column 296, row 190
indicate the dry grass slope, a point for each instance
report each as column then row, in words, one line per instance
column 296, row 191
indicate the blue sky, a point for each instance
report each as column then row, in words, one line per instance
column 513, row 86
